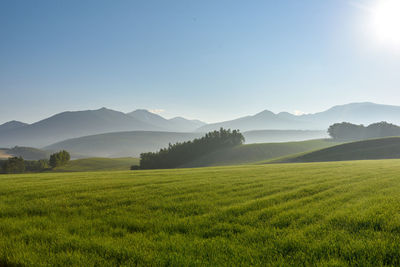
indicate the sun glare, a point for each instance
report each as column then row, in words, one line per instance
column 386, row 21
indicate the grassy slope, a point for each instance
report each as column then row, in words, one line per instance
column 384, row 148
column 338, row 214
column 257, row 152
column 98, row 164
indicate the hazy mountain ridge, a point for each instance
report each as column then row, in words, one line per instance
column 10, row 125
column 177, row 124
column 69, row 125
column 74, row 124
column 359, row 113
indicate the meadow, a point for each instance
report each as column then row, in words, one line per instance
column 320, row 214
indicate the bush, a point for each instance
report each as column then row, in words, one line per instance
column 59, row 159
column 135, row 167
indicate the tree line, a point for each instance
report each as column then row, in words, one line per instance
column 180, row 153
column 19, row 165
column 348, row 132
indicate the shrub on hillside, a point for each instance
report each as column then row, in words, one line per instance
column 135, row 167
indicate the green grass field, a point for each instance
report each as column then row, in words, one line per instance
column 98, row 164
column 251, row 153
column 320, row 214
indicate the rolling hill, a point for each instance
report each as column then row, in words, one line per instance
column 131, row 144
column 383, row 148
column 359, row 113
column 120, row 144
column 252, row 153
column 271, row 136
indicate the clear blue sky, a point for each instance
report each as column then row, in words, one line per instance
column 209, row 60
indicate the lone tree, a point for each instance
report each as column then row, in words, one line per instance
column 59, row 159
column 14, row 165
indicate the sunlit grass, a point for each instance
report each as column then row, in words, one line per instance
column 336, row 214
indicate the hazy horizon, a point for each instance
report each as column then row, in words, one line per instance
column 211, row 61
column 162, row 113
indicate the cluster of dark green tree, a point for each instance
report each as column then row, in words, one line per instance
column 19, row 165
column 180, row 153
column 59, row 159
column 348, row 132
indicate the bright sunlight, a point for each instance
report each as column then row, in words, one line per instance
column 386, row 21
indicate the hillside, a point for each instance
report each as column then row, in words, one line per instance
column 98, row 164
column 186, row 125
column 358, row 113
column 271, row 136
column 131, row 144
column 28, row 153
column 383, row 148
column 257, row 152
column 314, row 214
column 122, row 144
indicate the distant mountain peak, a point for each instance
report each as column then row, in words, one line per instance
column 179, row 118
column 358, row 113
column 12, row 125
column 145, row 111
column 265, row 113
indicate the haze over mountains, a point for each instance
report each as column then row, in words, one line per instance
column 68, row 125
column 11, row 125
column 77, row 124
column 358, row 113
column 131, row 144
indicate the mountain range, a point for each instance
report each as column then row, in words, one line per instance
column 67, row 125
column 358, row 113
